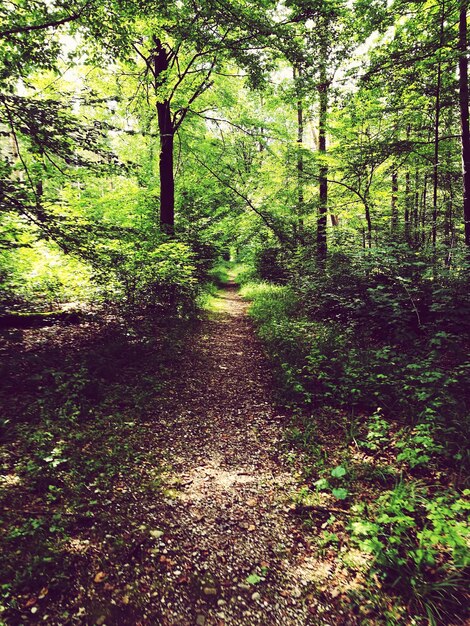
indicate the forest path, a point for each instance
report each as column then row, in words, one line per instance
column 172, row 496
column 236, row 553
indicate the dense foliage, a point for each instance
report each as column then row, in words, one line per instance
column 377, row 344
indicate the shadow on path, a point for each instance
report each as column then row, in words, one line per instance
column 170, row 498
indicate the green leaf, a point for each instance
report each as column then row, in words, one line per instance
column 321, row 483
column 338, row 472
column 340, row 493
column 253, row 579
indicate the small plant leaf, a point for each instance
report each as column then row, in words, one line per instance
column 321, row 483
column 340, row 493
column 253, row 579
column 338, row 472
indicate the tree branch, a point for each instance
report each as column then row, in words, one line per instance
column 52, row 24
column 260, row 214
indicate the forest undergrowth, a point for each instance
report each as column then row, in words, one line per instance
column 76, row 405
column 372, row 357
column 380, row 491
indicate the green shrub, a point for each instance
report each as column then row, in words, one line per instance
column 42, row 277
column 383, row 330
column 419, row 546
column 243, row 273
column 270, row 302
column 162, row 278
column 270, row 264
column 219, row 274
column 419, row 446
column 377, row 432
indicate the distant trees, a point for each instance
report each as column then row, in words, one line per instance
column 412, row 75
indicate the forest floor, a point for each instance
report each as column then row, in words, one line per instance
column 153, row 485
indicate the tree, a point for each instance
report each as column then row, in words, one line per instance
column 323, row 27
column 464, row 116
column 181, row 50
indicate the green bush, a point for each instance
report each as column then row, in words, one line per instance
column 419, row 546
column 162, row 278
column 42, row 277
column 219, row 273
column 270, row 264
column 374, row 329
column 243, row 273
column 270, row 302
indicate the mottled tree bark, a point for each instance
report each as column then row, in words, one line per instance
column 322, row 245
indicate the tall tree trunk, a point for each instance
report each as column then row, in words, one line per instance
column 464, row 116
column 322, row 245
column 261, row 145
column 415, row 220
column 166, row 131
column 408, row 204
column 369, row 226
column 394, row 220
column 40, row 180
column 437, row 108
column 167, row 181
column 300, row 158
column 448, row 218
column 369, row 223
column 424, row 207
column 408, row 195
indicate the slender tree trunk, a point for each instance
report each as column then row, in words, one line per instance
column 167, row 181
column 450, row 221
column 408, row 203
column 394, row 220
column 40, row 181
column 369, row 224
column 260, row 142
column 408, row 196
column 322, row 245
column 261, row 129
column 166, row 131
column 436, row 132
column 464, row 116
column 415, row 221
column 449, row 210
column 300, row 158
column 424, row 210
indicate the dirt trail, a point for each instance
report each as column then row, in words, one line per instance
column 238, row 555
column 197, row 527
